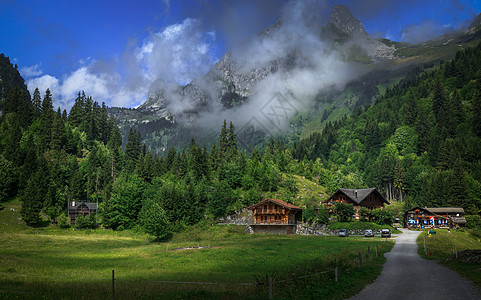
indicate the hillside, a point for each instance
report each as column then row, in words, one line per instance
column 239, row 86
column 418, row 142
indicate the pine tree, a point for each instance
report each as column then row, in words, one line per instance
column 37, row 101
column 223, row 140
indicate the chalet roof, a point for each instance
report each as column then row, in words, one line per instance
column 437, row 210
column 77, row 205
column 459, row 220
column 361, row 194
column 276, row 201
column 446, row 210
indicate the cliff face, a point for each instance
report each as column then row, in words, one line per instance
column 342, row 19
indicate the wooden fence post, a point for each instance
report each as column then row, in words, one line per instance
column 270, row 287
column 376, row 250
column 113, row 285
column 335, row 273
column 456, row 251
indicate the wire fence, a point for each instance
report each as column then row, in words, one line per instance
column 271, row 281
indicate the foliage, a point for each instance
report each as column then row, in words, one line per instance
column 9, row 179
column 344, row 212
column 473, row 221
column 382, row 216
column 323, row 215
column 86, row 222
column 154, row 220
column 63, row 221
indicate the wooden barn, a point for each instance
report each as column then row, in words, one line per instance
column 426, row 217
column 275, row 216
column 369, row 198
column 80, row 208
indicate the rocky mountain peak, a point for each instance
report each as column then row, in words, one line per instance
column 342, row 18
column 475, row 25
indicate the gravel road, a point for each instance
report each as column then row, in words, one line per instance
column 406, row 275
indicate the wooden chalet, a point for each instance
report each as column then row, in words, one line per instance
column 369, row 198
column 426, row 217
column 275, row 216
column 80, row 208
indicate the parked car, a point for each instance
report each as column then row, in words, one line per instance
column 343, row 232
column 368, row 233
column 386, row 233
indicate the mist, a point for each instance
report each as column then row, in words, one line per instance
column 280, row 71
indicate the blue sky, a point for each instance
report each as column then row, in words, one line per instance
column 115, row 50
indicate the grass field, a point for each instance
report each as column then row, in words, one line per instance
column 439, row 247
column 61, row 264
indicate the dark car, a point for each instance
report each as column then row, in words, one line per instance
column 343, row 232
column 386, row 233
column 368, row 233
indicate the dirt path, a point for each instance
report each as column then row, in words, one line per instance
column 406, row 275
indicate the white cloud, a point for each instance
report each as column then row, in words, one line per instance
column 32, row 71
column 175, row 55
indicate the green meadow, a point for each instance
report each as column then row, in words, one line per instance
column 441, row 246
column 54, row 263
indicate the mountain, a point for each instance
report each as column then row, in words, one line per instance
column 9, row 79
column 324, row 71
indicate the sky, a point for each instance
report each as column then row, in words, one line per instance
column 116, row 50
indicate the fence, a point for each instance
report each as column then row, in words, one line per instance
column 269, row 283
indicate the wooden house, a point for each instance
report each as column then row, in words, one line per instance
column 275, row 216
column 76, row 209
column 369, row 198
column 425, row 217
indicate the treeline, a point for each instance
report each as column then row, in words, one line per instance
column 419, row 143
column 50, row 157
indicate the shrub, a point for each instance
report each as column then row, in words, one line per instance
column 473, row 221
column 344, row 212
column 63, row 221
column 86, row 222
column 323, row 215
column 155, row 221
column 383, row 216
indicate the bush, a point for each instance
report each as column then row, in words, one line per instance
column 365, row 214
column 473, row 221
column 86, row 222
column 63, row 221
column 155, row 221
column 383, row 216
column 323, row 215
column 344, row 212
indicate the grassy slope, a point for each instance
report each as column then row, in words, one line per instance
column 62, row 263
column 440, row 247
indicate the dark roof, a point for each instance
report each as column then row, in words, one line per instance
column 90, row 205
column 459, row 220
column 361, row 194
column 418, row 208
column 440, row 210
column 437, row 210
column 277, row 201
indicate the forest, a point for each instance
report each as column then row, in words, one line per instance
column 418, row 144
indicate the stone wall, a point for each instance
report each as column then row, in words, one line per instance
column 243, row 217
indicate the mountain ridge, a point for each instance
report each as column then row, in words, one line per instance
column 234, row 79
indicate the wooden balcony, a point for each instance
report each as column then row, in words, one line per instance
column 275, row 222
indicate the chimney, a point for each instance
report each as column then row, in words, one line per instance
column 356, row 193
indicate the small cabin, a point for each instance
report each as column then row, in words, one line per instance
column 76, row 209
column 369, row 198
column 275, row 216
column 425, row 217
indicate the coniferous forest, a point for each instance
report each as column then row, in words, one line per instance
column 418, row 144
